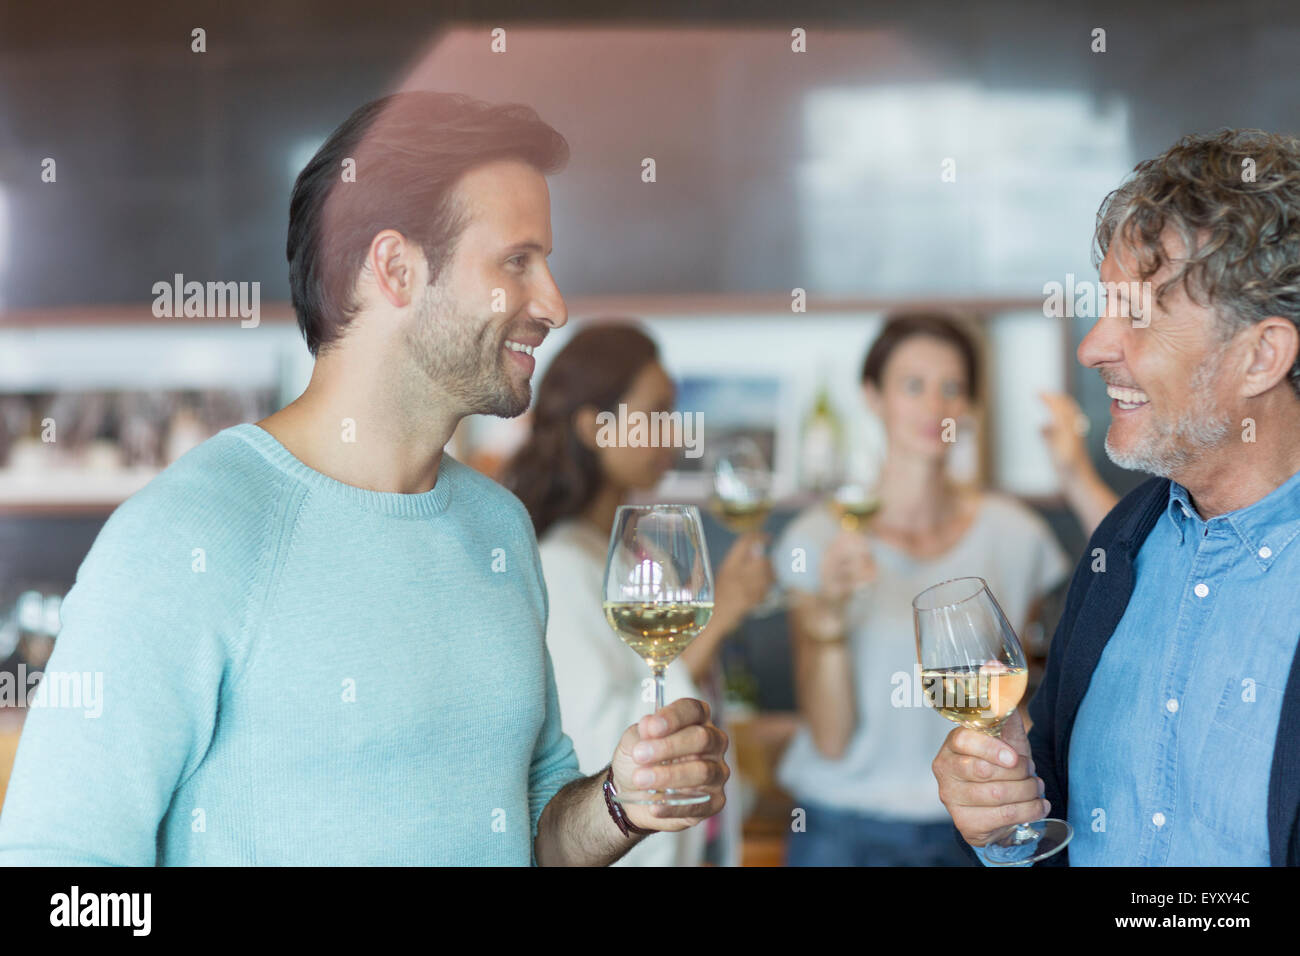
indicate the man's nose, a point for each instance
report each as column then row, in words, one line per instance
column 547, row 303
column 1100, row 345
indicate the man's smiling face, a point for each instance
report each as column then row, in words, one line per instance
column 1171, row 401
column 495, row 300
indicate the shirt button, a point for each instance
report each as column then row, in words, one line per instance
column 1171, row 705
column 1201, row 590
column 1158, row 819
column 1266, row 552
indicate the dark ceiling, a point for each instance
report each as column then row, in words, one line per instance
column 170, row 161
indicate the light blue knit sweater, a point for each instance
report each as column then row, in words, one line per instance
column 297, row 671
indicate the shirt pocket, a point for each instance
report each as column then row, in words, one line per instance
column 1231, row 777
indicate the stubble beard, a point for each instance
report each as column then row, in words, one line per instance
column 464, row 358
column 1166, row 448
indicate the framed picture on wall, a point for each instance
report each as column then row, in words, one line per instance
column 725, row 406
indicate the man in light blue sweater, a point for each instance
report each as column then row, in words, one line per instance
column 322, row 639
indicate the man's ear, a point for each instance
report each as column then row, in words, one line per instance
column 395, row 267
column 585, row 427
column 1274, row 344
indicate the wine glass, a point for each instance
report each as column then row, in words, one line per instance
column 973, row 672
column 854, row 504
column 742, row 485
column 742, row 498
column 658, row 596
column 857, row 497
column 36, row 615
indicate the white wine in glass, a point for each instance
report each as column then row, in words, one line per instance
column 658, row 632
column 981, row 698
column 740, row 515
column 658, row 597
column 854, row 505
column 973, row 672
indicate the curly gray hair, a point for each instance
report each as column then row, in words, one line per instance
column 1234, row 198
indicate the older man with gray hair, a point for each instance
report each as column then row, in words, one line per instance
column 1167, row 725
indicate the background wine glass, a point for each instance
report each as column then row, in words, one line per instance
column 856, row 496
column 854, row 504
column 742, row 497
column 658, row 597
column 742, row 485
column 36, row 616
column 973, row 672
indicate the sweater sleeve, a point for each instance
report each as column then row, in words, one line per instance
column 133, row 686
column 554, row 763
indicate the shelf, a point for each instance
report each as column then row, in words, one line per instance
column 136, row 313
column 69, row 491
column 579, row 307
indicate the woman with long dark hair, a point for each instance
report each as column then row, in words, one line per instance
column 572, row 485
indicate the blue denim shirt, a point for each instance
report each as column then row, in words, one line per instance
column 1171, row 750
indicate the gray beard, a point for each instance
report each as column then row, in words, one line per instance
column 1168, row 448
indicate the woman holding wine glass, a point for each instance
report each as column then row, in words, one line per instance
column 860, row 765
column 573, row 487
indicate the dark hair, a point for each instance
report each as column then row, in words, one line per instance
column 1241, row 233
column 554, row 474
column 409, row 149
column 936, row 325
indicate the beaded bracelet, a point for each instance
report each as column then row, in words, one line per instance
column 616, row 809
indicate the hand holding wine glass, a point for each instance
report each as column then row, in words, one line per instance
column 683, row 753
column 986, row 780
column 847, row 566
column 973, row 672
column 744, row 579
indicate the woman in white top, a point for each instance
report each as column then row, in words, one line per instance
column 860, row 765
column 572, row 485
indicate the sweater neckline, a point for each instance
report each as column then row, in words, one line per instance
column 423, row 504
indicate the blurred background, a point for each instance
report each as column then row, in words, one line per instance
column 936, row 154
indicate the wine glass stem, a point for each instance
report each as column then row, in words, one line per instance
column 659, row 687
column 1023, row 832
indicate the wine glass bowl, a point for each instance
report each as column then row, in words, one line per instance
column 854, row 504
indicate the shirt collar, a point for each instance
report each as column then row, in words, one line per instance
column 1265, row 527
column 1179, row 508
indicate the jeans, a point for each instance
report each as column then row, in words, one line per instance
column 836, row 837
